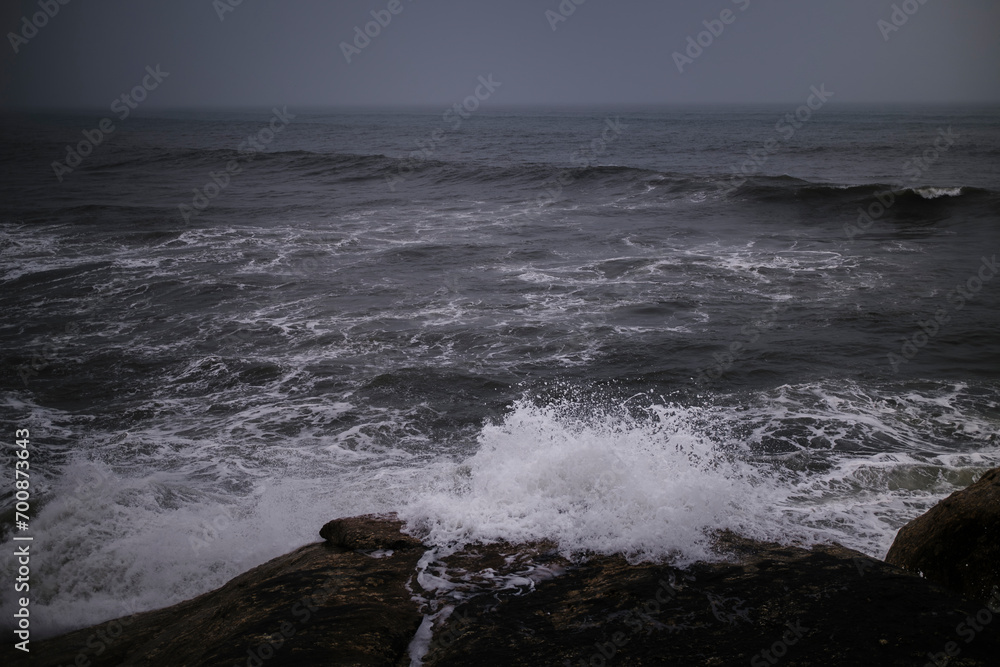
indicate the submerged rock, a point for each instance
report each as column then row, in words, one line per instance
column 363, row 597
column 957, row 542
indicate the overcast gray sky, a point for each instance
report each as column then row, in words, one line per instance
column 289, row 52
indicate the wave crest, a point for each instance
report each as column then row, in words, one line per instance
column 608, row 483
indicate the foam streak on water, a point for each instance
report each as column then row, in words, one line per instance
column 204, row 395
column 647, row 478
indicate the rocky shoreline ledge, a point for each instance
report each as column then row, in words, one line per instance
column 371, row 595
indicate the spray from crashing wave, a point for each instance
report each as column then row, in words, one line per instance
column 659, row 481
column 653, row 485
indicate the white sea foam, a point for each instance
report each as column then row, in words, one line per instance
column 151, row 518
column 802, row 465
column 935, row 193
column 109, row 545
column 605, row 483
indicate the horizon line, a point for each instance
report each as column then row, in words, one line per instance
column 498, row 108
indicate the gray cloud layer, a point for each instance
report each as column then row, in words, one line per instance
column 431, row 52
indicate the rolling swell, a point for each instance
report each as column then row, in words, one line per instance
column 912, row 200
column 355, row 169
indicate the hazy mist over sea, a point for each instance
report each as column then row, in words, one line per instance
column 612, row 274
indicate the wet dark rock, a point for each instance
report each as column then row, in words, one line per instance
column 320, row 604
column 957, row 542
column 526, row 605
column 368, row 533
column 777, row 605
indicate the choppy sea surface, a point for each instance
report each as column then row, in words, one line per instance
column 582, row 326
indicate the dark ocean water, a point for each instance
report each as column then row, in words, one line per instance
column 571, row 325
